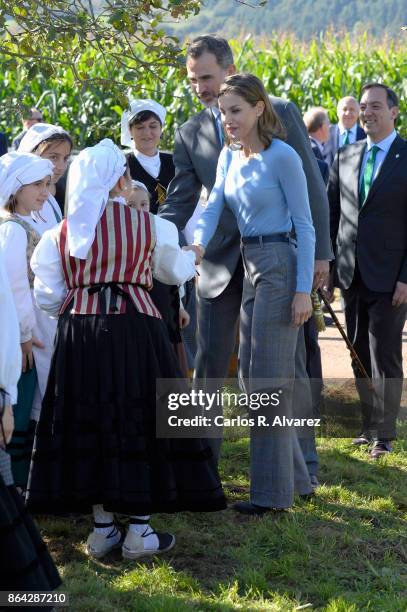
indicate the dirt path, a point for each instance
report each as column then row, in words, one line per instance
column 335, row 355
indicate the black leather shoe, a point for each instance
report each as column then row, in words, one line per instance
column 362, row 438
column 307, row 496
column 380, row 448
column 250, row 509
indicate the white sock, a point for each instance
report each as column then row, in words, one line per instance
column 101, row 517
column 150, row 540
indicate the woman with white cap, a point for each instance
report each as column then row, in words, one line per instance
column 141, row 129
column 96, row 447
column 24, row 185
column 54, row 143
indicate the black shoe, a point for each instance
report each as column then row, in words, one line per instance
column 307, row 496
column 251, row 509
column 315, row 484
column 380, row 448
column 363, row 438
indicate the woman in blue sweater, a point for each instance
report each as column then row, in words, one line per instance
column 261, row 180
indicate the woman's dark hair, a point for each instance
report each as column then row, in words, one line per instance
column 54, row 139
column 251, row 89
column 144, row 116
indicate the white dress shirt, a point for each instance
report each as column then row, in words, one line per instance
column 342, row 134
column 384, row 146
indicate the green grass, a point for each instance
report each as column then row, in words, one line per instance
column 346, row 550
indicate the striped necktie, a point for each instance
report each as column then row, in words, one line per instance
column 368, row 175
column 219, row 127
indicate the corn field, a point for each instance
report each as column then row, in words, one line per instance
column 316, row 74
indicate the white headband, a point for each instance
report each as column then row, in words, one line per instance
column 92, row 175
column 18, row 169
column 139, row 184
column 136, row 107
column 36, row 134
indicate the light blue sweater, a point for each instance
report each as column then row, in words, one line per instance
column 267, row 193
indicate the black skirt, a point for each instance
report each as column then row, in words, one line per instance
column 166, row 298
column 95, row 441
column 24, row 559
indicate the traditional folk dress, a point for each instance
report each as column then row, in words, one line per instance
column 24, row 560
column 155, row 172
column 95, row 441
column 144, row 169
column 51, row 212
column 45, row 326
column 17, row 242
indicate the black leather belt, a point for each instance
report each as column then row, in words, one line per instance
column 281, row 237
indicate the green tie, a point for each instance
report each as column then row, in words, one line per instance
column 346, row 139
column 368, row 175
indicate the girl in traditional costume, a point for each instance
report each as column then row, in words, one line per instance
column 141, row 129
column 55, row 144
column 96, row 446
column 24, row 184
column 24, row 559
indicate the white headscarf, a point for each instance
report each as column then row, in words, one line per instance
column 93, row 173
column 138, row 184
column 136, row 107
column 36, row 134
column 18, row 169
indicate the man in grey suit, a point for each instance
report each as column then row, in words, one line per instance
column 368, row 200
column 346, row 131
column 198, row 143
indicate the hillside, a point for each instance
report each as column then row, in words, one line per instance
column 305, row 18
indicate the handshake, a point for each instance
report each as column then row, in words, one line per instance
column 198, row 250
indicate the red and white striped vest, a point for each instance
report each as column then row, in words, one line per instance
column 120, row 254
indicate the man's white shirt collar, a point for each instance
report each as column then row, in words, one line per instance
column 352, row 130
column 385, row 144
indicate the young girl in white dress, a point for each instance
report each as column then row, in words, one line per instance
column 24, row 185
column 96, row 447
column 55, row 144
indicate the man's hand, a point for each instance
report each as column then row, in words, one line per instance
column 400, row 294
column 321, row 273
column 198, row 250
column 328, row 289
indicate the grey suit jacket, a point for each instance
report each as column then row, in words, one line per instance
column 331, row 146
column 196, row 153
column 376, row 234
